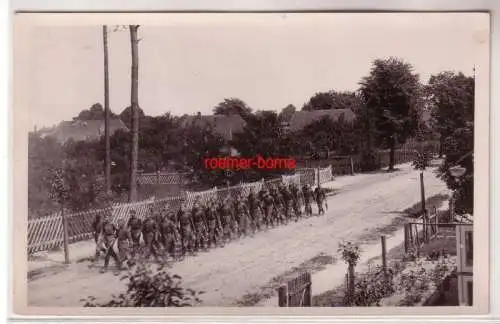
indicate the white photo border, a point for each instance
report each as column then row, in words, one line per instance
column 315, row 5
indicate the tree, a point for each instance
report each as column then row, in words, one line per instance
column 82, row 169
column 287, row 113
column 159, row 142
column 339, row 136
column 262, row 136
column 95, row 112
column 451, row 97
column 421, row 163
column 333, row 100
column 232, row 106
column 392, row 96
column 59, row 191
column 44, row 154
column 126, row 116
column 134, row 104
column 458, row 149
column 200, row 143
column 350, row 254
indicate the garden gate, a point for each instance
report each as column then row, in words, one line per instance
column 297, row 292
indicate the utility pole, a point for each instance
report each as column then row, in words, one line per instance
column 134, row 105
column 107, row 163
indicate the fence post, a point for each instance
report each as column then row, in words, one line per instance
column 407, row 236
column 352, row 283
column 422, row 191
column 352, row 164
column 65, row 235
column 452, row 210
column 283, row 296
column 384, row 254
column 308, row 293
column 436, row 220
column 317, row 171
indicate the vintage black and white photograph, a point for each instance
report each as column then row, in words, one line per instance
column 277, row 160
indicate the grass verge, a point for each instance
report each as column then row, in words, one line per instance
column 268, row 290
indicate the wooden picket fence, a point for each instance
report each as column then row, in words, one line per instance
column 350, row 164
column 46, row 233
column 296, row 292
column 161, row 178
column 421, row 232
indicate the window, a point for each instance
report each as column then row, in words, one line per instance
column 465, row 248
column 469, row 248
column 469, row 293
column 465, row 290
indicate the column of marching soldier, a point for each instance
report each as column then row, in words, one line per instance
column 169, row 234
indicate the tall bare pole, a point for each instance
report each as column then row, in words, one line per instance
column 134, row 106
column 107, row 163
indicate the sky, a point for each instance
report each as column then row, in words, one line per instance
column 188, row 64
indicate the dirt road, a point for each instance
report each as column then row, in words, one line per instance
column 226, row 274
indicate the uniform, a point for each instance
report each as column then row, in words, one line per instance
column 109, row 234
column 187, row 234
column 295, row 201
column 124, row 240
column 319, row 196
column 169, row 235
column 257, row 216
column 243, row 218
column 277, row 207
column 213, row 224
column 287, row 201
column 228, row 222
column 308, row 196
column 268, row 209
column 149, row 232
column 199, row 226
column 97, row 226
column 135, row 226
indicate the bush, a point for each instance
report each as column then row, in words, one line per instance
column 369, row 161
column 372, row 287
column 416, row 282
column 148, row 288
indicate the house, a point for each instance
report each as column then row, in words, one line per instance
column 301, row 119
column 82, row 130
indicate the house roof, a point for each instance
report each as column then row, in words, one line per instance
column 301, row 119
column 222, row 125
column 79, row 130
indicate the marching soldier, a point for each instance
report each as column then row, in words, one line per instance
column 228, row 221
column 124, row 240
column 109, row 233
column 320, row 197
column 199, row 226
column 243, row 219
column 213, row 224
column 308, row 196
column 296, row 201
column 149, row 233
column 97, row 226
column 268, row 203
column 287, row 201
column 135, row 226
column 169, row 235
column 257, row 215
column 278, row 208
column 187, row 228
